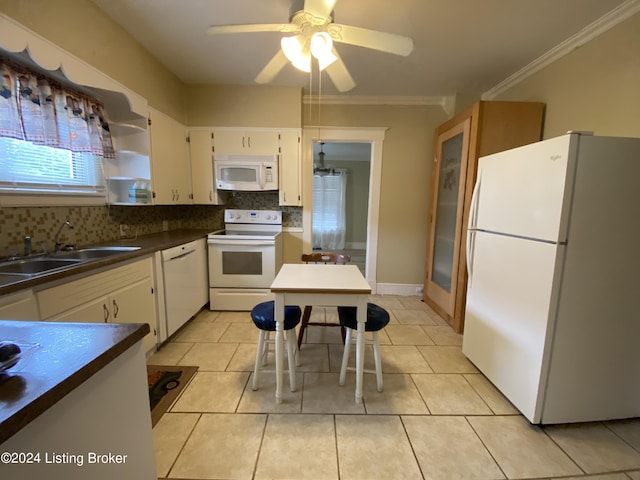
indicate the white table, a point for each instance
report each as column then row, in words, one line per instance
column 320, row 285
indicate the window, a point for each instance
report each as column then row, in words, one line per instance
column 329, row 210
column 29, row 168
column 52, row 141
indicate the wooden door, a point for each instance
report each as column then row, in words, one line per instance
column 446, row 212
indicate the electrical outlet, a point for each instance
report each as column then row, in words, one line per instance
column 165, row 225
column 123, row 230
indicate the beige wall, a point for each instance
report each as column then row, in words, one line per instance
column 80, row 28
column 595, row 87
column 243, row 106
column 404, row 188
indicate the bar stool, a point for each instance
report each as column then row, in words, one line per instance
column 377, row 319
column 263, row 317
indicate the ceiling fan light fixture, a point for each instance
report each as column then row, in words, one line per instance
column 295, row 51
column 321, row 46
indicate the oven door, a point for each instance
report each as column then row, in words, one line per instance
column 241, row 263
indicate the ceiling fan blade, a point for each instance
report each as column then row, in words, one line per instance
column 339, row 74
column 363, row 37
column 252, row 28
column 319, row 8
column 271, row 69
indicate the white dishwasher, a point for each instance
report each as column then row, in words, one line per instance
column 185, row 275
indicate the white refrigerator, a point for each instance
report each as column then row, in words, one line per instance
column 553, row 299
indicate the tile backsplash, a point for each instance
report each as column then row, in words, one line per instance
column 102, row 224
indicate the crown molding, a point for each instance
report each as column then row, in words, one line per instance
column 614, row 17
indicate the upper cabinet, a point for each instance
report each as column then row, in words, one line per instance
column 169, row 161
column 283, row 143
column 290, row 181
column 483, row 129
column 253, row 142
column 202, row 176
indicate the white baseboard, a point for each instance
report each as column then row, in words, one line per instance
column 403, row 289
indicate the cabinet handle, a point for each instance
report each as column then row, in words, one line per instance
column 249, row 141
column 210, row 196
column 177, row 195
column 116, row 309
column 106, row 312
column 243, row 141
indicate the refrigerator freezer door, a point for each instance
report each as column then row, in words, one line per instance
column 511, row 300
column 526, row 191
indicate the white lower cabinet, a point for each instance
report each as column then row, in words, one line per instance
column 19, row 306
column 119, row 295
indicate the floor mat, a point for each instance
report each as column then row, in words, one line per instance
column 165, row 384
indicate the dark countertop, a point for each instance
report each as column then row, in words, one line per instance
column 148, row 243
column 68, row 354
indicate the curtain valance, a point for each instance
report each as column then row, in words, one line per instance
column 40, row 110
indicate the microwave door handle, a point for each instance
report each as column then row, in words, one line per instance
column 260, row 176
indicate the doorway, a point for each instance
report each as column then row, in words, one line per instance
column 341, row 172
column 374, row 138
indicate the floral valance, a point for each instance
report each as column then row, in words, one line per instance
column 39, row 110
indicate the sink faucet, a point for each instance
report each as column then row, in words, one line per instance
column 58, row 245
column 27, row 246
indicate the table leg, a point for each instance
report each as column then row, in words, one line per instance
column 279, row 316
column 362, row 318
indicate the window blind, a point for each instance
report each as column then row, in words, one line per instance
column 29, row 168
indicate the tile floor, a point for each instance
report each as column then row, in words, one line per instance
column 438, row 417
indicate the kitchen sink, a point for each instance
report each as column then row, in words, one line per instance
column 92, row 253
column 34, row 266
column 55, row 261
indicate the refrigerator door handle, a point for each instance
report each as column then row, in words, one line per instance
column 471, row 237
column 473, row 209
column 471, row 234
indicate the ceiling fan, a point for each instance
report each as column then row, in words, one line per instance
column 311, row 34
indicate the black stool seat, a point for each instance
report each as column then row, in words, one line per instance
column 264, row 318
column 377, row 317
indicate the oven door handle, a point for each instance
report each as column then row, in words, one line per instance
column 240, row 243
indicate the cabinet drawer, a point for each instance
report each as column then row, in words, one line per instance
column 55, row 300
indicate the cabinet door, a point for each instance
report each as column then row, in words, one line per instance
column 135, row 304
column 239, row 141
column 201, row 157
column 447, row 203
column 95, row 311
column 290, row 169
column 262, row 143
column 19, row 306
column 169, row 160
column 229, row 141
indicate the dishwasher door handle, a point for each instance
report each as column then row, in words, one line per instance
column 182, row 255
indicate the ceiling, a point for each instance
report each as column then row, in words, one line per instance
column 461, row 46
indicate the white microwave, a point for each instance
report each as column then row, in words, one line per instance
column 246, row 172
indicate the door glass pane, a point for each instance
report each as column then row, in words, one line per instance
column 242, row 263
column 446, row 210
